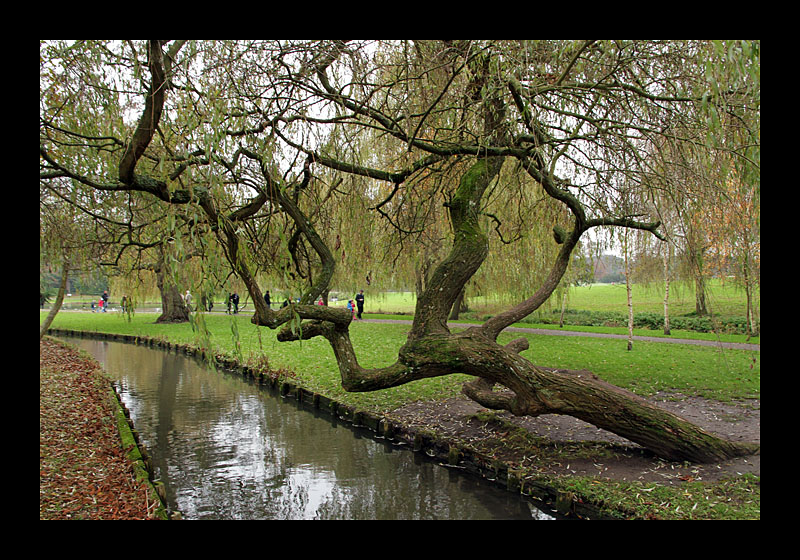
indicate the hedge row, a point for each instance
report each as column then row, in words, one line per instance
column 645, row 320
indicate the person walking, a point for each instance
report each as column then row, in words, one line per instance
column 187, row 299
column 105, row 300
column 360, row 303
column 235, row 302
column 266, row 298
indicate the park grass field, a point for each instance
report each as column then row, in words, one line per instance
column 724, row 298
column 650, row 367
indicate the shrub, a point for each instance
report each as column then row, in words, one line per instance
column 643, row 320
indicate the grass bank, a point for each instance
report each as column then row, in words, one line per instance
column 651, row 367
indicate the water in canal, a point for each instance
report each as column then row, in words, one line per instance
column 226, row 448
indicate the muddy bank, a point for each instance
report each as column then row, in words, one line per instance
column 456, row 418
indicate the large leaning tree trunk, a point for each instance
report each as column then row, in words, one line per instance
column 432, row 350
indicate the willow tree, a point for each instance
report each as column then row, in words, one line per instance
column 570, row 117
column 574, row 117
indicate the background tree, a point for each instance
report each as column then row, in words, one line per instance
column 67, row 241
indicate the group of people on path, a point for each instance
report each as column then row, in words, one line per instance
column 102, row 303
column 355, row 307
column 358, row 308
column 232, row 301
column 208, row 303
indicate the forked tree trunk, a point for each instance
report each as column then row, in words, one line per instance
column 432, row 350
column 533, row 390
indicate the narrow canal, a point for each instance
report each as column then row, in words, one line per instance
column 227, row 448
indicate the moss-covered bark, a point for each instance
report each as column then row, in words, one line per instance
column 536, row 391
column 469, row 250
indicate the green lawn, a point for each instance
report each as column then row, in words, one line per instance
column 650, row 367
column 722, row 298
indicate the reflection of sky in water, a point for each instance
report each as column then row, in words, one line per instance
column 316, row 487
column 226, row 449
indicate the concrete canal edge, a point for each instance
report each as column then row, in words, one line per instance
column 442, row 450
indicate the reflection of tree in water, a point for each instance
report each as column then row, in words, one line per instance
column 225, row 448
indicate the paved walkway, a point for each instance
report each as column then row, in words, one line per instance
column 561, row 332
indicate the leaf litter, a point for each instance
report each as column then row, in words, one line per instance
column 84, row 472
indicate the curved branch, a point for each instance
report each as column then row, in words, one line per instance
column 396, row 177
column 481, row 392
column 277, row 193
column 652, row 227
column 153, row 107
column 493, row 326
column 469, row 250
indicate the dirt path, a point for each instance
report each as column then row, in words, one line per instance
column 734, row 421
column 628, row 461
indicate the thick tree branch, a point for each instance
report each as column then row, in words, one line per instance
column 153, row 107
column 469, row 250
